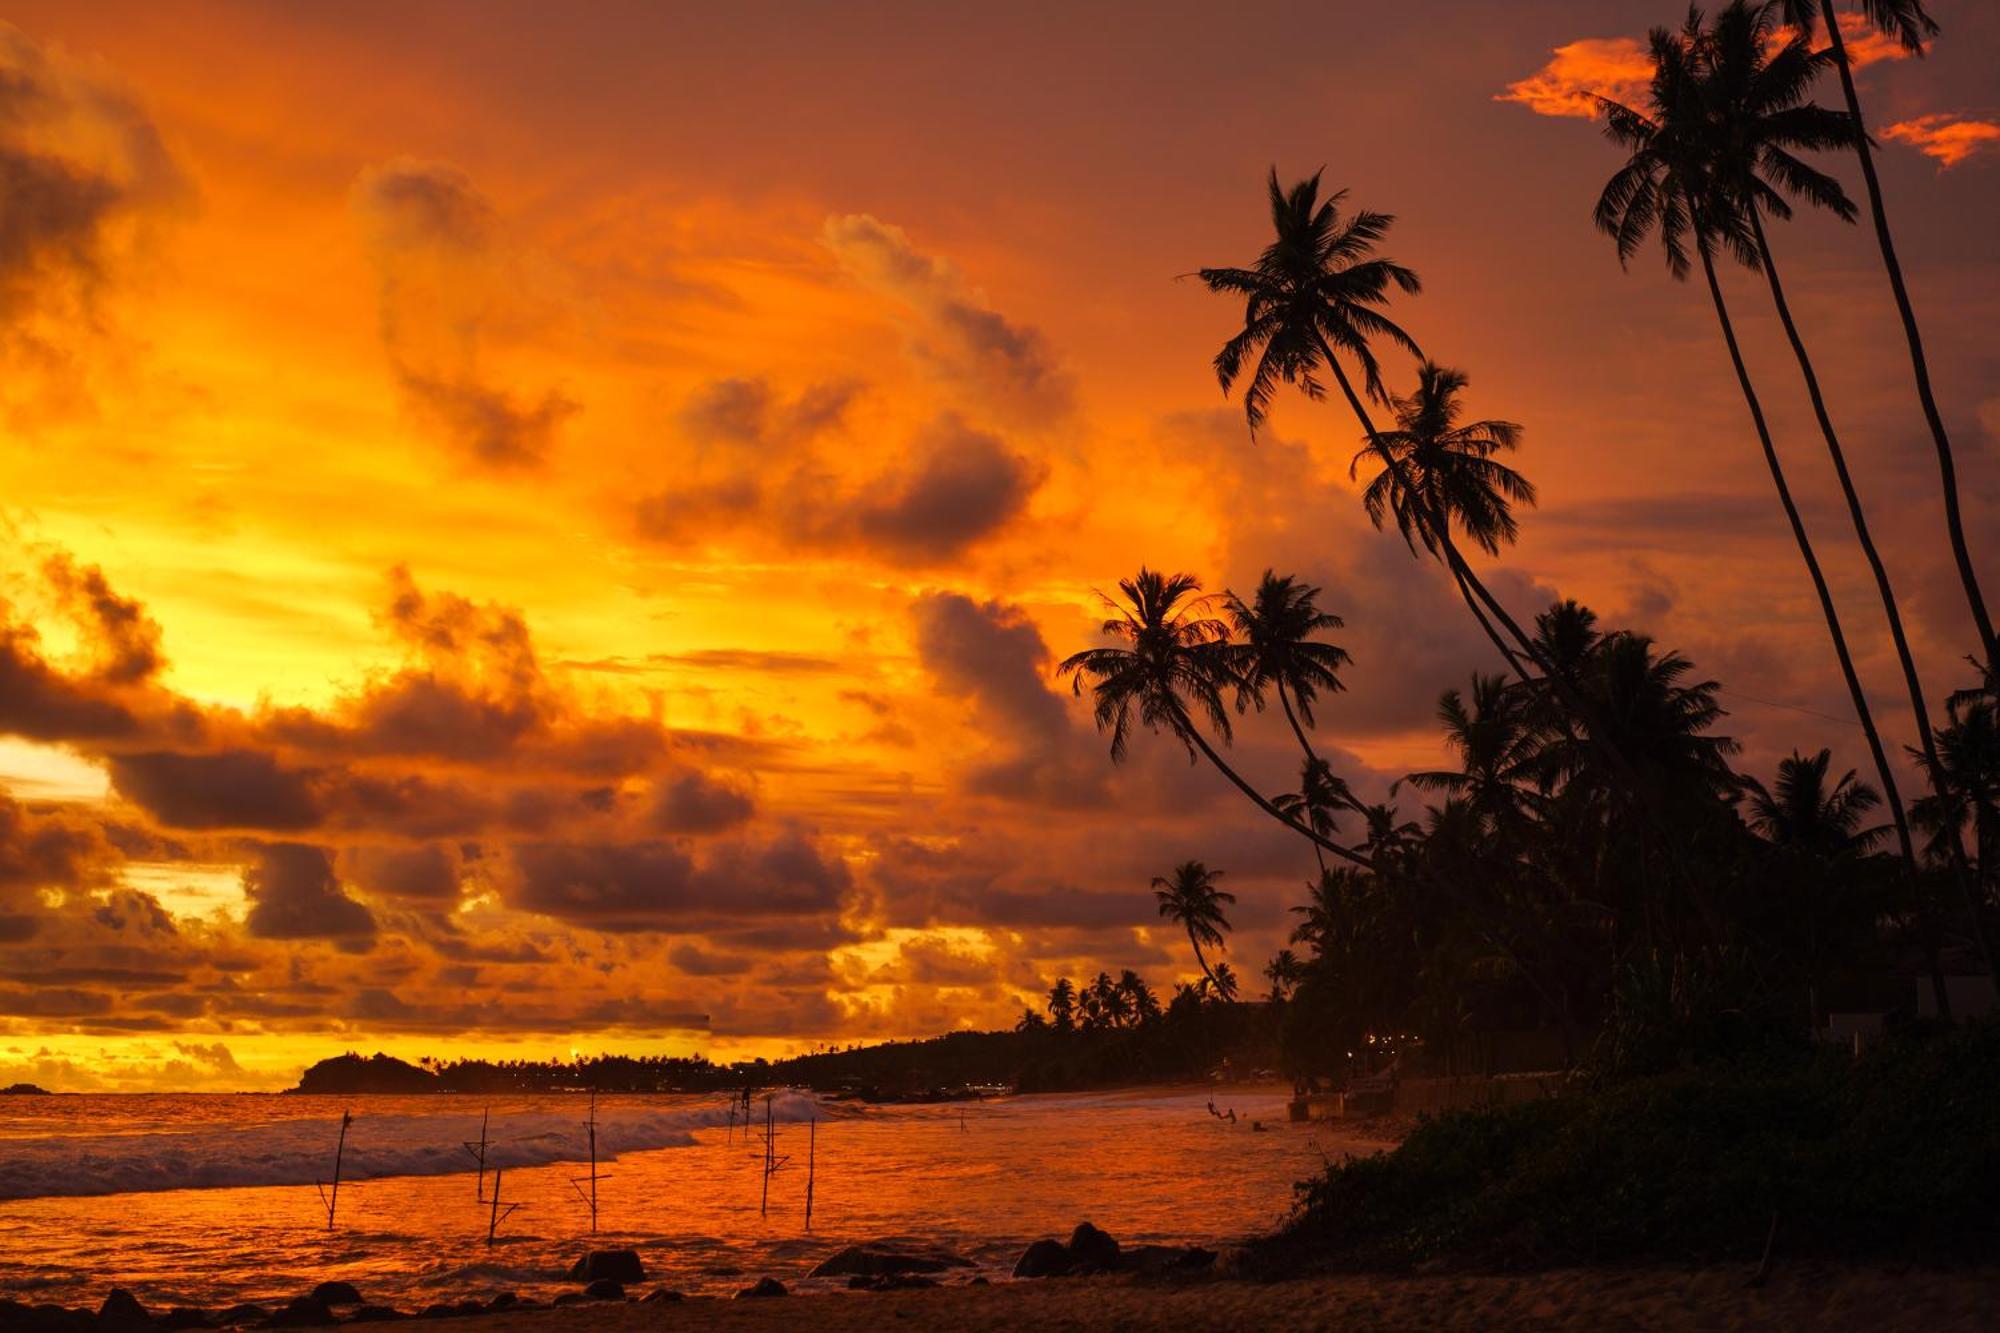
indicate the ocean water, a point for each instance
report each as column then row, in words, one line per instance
column 209, row 1200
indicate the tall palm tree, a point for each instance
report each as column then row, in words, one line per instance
column 1173, row 668
column 1062, row 1004
column 1754, row 89
column 1321, row 793
column 1283, row 972
column 1140, row 1002
column 1803, row 812
column 1968, row 786
column 1668, row 185
column 1316, row 287
column 1449, row 477
column 1277, row 649
column 1497, row 747
column 1190, row 899
column 1908, row 24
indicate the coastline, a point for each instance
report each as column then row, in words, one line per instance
column 1640, row 1297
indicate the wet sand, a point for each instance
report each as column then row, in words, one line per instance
column 1803, row 1296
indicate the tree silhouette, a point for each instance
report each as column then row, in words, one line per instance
column 1173, row 670
column 1190, row 899
column 1674, row 182
column 1909, row 25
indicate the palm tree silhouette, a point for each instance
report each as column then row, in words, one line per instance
column 1319, row 286
column 1190, row 899
column 1755, row 92
column 1906, row 21
column 1175, row 668
column 1283, row 972
column 1449, row 476
column 1670, row 185
column 1321, row 792
column 1278, row 650
column 1498, row 748
column 1062, row 1004
column 1802, row 812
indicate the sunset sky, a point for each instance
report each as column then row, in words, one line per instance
column 537, row 528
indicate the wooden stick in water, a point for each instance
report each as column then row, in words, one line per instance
column 478, row 1153
column 331, row 1199
column 812, row 1158
column 498, row 1215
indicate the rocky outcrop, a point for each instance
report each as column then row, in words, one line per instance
column 608, row 1265
column 303, row 1312
column 888, row 1258
column 1044, row 1258
column 337, row 1293
column 765, row 1286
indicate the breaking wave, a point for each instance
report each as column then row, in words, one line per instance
column 300, row 1152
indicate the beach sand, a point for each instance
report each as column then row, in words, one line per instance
column 1803, row 1296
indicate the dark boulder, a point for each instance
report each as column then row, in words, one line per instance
column 1165, row 1259
column 616, row 1265
column 880, row 1259
column 570, row 1298
column 303, row 1312
column 186, row 1316
column 121, row 1309
column 374, row 1314
column 890, row 1282
column 765, row 1286
column 505, row 1300
column 245, row 1313
column 604, row 1289
column 45, row 1318
column 438, row 1310
column 337, row 1293
column 1089, row 1246
column 1044, row 1258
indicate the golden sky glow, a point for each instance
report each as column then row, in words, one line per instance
column 532, row 528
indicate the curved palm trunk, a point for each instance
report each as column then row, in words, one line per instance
column 1263, row 802
column 1861, row 710
column 1472, row 605
column 1919, row 366
column 1284, row 697
column 1202, row 962
column 1564, row 688
column 1954, row 842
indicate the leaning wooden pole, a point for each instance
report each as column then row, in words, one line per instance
column 812, row 1162
column 331, row 1198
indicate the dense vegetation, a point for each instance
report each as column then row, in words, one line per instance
column 1897, row 1153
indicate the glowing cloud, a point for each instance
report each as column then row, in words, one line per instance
column 1949, row 139
column 1619, row 68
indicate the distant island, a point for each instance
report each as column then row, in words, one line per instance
column 24, row 1090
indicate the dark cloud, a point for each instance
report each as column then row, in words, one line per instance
column 959, row 487
column 294, row 895
column 952, row 488
column 648, row 884
column 694, row 802
column 41, row 703
column 230, row 789
column 747, row 410
column 445, row 293
column 1005, row 367
column 993, row 655
column 696, row 961
column 488, row 424
column 41, row 853
column 77, row 158
column 428, row 874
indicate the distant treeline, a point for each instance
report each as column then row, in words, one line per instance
column 1190, row 1039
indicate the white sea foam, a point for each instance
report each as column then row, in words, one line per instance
column 300, row 1152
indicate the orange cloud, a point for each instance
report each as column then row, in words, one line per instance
column 1948, row 138
column 1581, row 72
column 1619, row 68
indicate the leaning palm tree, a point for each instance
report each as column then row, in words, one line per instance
column 1172, row 667
column 1283, row 972
column 1190, row 899
column 1321, row 793
column 1753, row 88
column 1909, row 25
column 1450, row 478
column 1320, row 286
column 1277, row 648
column 1669, row 186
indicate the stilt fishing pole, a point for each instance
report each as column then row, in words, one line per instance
column 478, row 1153
column 500, row 1212
column 578, row 1182
column 812, row 1159
column 329, row 1199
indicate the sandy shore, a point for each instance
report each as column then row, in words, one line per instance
column 1803, row 1296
